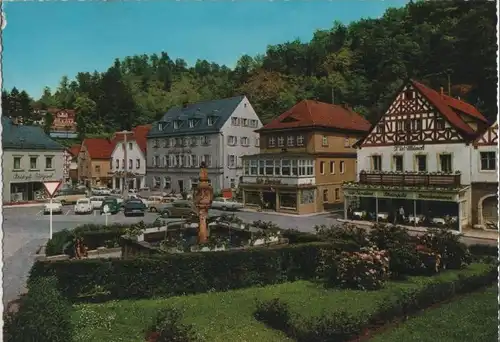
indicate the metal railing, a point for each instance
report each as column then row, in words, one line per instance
column 410, row 179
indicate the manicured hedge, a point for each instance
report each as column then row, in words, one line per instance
column 44, row 315
column 182, row 273
column 343, row 326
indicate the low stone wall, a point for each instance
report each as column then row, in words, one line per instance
column 93, row 253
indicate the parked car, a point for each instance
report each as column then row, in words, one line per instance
column 134, row 207
column 179, row 208
column 137, row 197
column 69, row 196
column 55, row 205
column 102, row 191
column 157, row 203
column 145, row 189
column 97, row 201
column 113, row 206
column 83, row 206
column 225, row 204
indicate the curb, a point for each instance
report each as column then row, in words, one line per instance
column 26, row 205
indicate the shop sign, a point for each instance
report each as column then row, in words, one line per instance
column 400, row 148
column 395, row 194
column 268, row 181
column 38, row 176
column 362, row 193
column 436, row 197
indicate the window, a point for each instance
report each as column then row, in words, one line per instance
column 397, row 163
column 277, row 167
column 117, row 163
column 17, row 163
column 342, row 166
column 194, row 160
column 187, row 160
column 172, row 142
column 332, row 167
column 48, row 163
column 445, row 162
column 123, row 163
column 257, row 142
column 185, row 141
column 194, row 141
column 322, row 167
column 290, row 141
column 325, row 195
column 488, row 161
column 166, row 182
column 231, row 160
column 166, row 160
column 160, row 126
column 244, row 141
column 399, row 125
column 130, row 164
column 156, row 161
column 307, row 196
column 232, row 140
column 281, row 141
column 235, row 121
column 380, row 127
column 324, row 141
column 416, row 124
column 300, row 140
column 97, row 169
column 407, row 125
column 269, row 167
column 166, row 143
column 306, row 167
column 129, row 145
column 33, row 162
column 206, row 140
column 253, row 167
column 156, row 182
column 191, row 123
column 261, row 167
column 176, row 124
column 377, row 163
column 271, row 141
column 245, row 122
column 208, row 160
column 232, row 182
column 178, row 161
column 288, row 201
column 337, row 194
column 421, row 163
column 210, row 121
column 409, row 95
column 155, row 143
column 285, row 167
column 440, row 123
column 347, row 142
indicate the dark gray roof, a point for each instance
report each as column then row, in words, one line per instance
column 220, row 110
column 20, row 137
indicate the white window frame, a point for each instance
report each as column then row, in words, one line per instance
column 441, row 155
column 481, row 153
column 300, row 140
column 324, row 140
column 231, row 160
column 272, row 141
column 281, row 141
column 322, row 167
column 290, row 141
column 342, row 167
column 332, row 167
column 374, row 158
column 191, row 123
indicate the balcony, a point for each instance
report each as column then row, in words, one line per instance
column 440, row 180
column 279, row 180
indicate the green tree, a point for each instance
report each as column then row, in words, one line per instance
column 85, row 109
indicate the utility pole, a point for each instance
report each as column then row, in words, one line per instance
column 125, row 162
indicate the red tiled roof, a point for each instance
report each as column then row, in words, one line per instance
column 449, row 106
column 75, row 150
column 138, row 134
column 71, row 112
column 309, row 113
column 99, row 148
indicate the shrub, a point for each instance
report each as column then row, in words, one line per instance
column 43, row 316
column 274, row 313
column 346, row 232
column 57, row 244
column 454, row 253
column 295, row 236
column 339, row 326
column 403, row 260
column 364, row 270
column 168, row 327
column 386, row 236
column 484, row 250
column 183, row 273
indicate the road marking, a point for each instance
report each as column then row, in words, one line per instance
column 39, row 213
column 67, row 212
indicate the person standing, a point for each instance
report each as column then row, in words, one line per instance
column 401, row 214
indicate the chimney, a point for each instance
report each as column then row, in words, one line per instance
column 442, row 91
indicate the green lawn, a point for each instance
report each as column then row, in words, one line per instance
column 227, row 316
column 471, row 318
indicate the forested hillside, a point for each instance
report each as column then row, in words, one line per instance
column 362, row 64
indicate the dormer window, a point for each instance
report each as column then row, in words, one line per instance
column 272, row 142
column 160, row 126
column 191, row 123
column 210, row 121
column 176, row 124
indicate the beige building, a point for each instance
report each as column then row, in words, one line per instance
column 94, row 162
column 305, row 155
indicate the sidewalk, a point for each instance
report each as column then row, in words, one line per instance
column 488, row 235
column 23, row 205
column 248, row 210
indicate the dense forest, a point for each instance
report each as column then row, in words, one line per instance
column 441, row 43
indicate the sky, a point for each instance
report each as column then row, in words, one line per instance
column 45, row 40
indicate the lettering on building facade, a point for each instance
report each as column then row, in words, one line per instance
column 395, row 194
column 359, row 193
column 38, row 176
column 433, row 196
column 401, row 148
column 268, row 181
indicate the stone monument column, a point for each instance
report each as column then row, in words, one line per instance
column 203, row 201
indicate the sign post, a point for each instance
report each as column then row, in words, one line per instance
column 105, row 210
column 51, row 188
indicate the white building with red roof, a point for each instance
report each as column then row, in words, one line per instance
column 414, row 166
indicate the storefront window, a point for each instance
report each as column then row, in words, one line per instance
column 252, row 197
column 307, row 197
column 288, row 201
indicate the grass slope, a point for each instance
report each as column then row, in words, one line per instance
column 228, row 316
column 471, row 318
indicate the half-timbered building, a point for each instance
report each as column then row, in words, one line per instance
column 414, row 165
column 484, row 178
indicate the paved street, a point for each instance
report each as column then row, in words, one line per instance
column 25, row 229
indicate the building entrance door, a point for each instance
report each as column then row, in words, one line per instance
column 181, row 185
